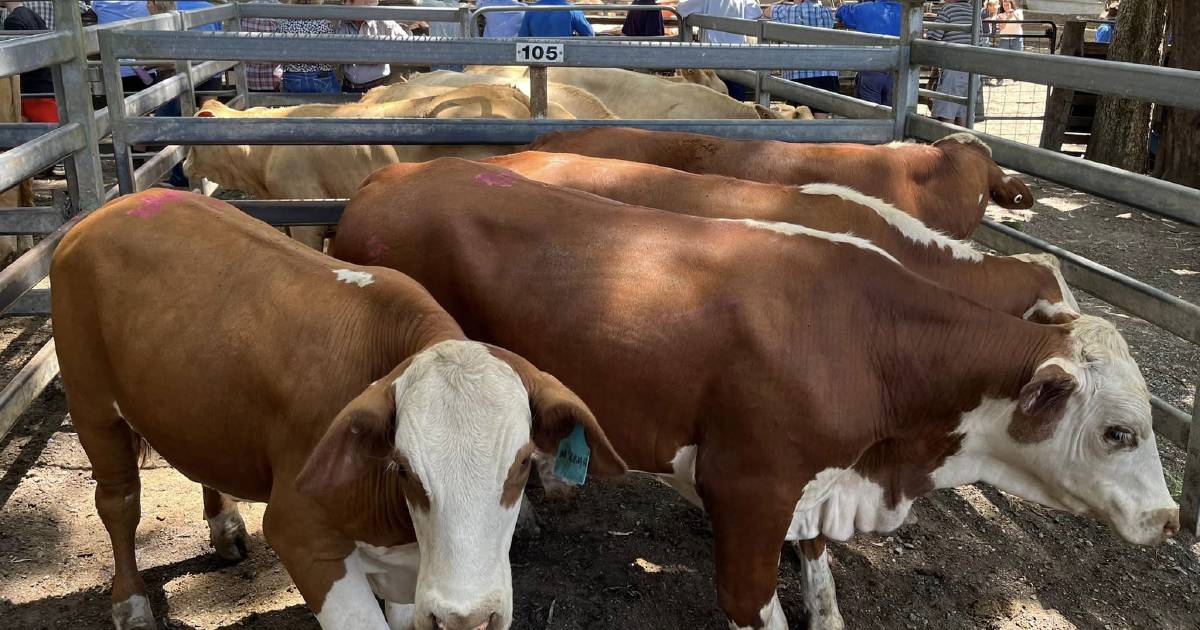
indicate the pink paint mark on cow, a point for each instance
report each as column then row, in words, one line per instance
column 152, row 202
column 500, row 178
column 377, row 248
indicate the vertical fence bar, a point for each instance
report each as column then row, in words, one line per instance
column 85, row 180
column 972, row 78
column 239, row 71
column 1189, row 502
column 114, row 94
column 539, row 102
column 464, row 20
column 760, row 77
column 908, row 76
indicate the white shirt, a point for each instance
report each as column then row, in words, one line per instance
column 745, row 9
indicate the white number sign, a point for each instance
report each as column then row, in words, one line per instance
column 540, row 53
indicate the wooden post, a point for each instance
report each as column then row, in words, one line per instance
column 1058, row 104
column 538, row 100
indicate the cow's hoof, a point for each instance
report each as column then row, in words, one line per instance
column 133, row 614
column 227, row 533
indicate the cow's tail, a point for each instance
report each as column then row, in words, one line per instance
column 142, row 448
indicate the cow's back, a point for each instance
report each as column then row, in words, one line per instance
column 184, row 314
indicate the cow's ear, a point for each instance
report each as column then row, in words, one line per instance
column 361, row 437
column 556, row 411
column 1041, row 404
column 767, row 113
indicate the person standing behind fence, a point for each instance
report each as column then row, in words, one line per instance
column 807, row 13
column 41, row 109
column 554, row 23
column 1104, row 32
column 501, row 24
column 307, row 77
column 744, row 9
column 133, row 78
column 360, row 77
column 1011, row 33
column 953, row 82
column 262, row 77
column 876, row 18
column 644, row 23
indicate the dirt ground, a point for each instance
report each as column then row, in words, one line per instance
column 630, row 554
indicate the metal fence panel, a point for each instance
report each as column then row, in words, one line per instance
column 32, row 157
column 36, row 51
column 469, row 131
column 580, row 52
column 1167, row 86
column 332, row 12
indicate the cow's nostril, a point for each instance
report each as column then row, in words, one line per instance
column 1171, row 527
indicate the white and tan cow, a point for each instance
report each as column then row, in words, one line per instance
column 390, row 450
column 637, row 95
column 565, row 101
column 797, row 383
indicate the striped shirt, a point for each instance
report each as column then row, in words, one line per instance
column 305, row 27
column 804, row 13
column 953, row 13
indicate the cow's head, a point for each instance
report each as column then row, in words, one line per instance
column 452, row 431
column 1079, row 438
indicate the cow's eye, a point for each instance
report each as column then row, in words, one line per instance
column 1120, row 436
column 525, row 462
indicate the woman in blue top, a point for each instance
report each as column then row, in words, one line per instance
column 554, row 23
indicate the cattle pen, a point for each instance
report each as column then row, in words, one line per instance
column 33, row 147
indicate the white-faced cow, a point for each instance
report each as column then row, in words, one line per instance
column 796, row 383
column 390, row 449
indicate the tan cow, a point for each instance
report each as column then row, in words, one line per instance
column 390, row 450
column 324, row 172
column 565, row 101
column 707, row 78
column 796, row 383
column 946, row 184
column 1029, row 286
column 21, row 195
column 637, row 95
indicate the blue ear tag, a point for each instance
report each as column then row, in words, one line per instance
column 573, row 453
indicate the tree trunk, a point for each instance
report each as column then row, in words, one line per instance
column 1179, row 144
column 1121, row 128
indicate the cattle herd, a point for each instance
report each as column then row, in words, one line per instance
column 795, row 337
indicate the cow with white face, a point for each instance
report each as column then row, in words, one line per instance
column 391, row 450
column 814, row 403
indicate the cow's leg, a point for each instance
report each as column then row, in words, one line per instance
column 112, row 448
column 325, row 567
column 748, row 530
column 226, row 529
column 820, row 596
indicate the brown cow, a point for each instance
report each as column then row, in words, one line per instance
column 797, row 383
column 343, row 396
column 946, row 185
column 1028, row 286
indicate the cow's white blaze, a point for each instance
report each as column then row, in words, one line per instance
column 911, row 227
column 799, row 230
column 461, row 417
column 771, row 615
column 1050, row 310
column 840, row 501
column 1078, row 467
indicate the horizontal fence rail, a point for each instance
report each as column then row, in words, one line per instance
column 313, row 131
column 332, row 12
column 579, row 52
column 31, row 158
column 33, row 52
column 1166, row 86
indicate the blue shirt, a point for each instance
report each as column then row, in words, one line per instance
column 877, row 18
column 186, row 5
column 804, row 13
column 554, row 23
column 116, row 11
column 1104, row 34
column 502, row 24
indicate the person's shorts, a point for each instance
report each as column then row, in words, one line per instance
column 42, row 110
column 827, row 83
column 874, row 87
